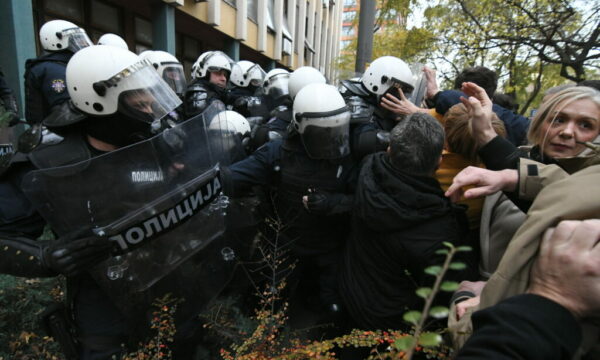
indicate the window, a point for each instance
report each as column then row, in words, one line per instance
column 348, row 30
column 67, row 9
column 308, row 50
column 287, row 46
column 349, row 3
column 188, row 50
column 143, row 34
column 270, row 15
column 348, row 16
column 105, row 17
column 252, row 10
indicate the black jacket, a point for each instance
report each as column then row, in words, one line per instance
column 523, row 327
column 399, row 221
column 45, row 84
column 284, row 167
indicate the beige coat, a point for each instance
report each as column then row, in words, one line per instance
column 562, row 197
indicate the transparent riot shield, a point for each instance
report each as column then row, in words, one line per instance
column 420, row 84
column 159, row 202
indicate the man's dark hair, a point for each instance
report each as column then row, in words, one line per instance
column 416, row 144
column 590, row 83
column 506, row 101
column 479, row 75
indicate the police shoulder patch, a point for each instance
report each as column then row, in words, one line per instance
column 58, row 85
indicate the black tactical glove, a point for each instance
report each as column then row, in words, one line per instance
column 74, row 256
column 241, row 104
column 321, row 202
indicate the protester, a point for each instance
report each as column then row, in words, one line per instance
column 558, row 196
column 544, row 324
column 400, row 219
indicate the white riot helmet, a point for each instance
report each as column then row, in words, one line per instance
column 229, row 136
column 322, row 119
column 212, row 61
column 103, row 80
column 388, row 73
column 303, row 76
column 232, row 121
column 168, row 67
column 276, row 83
column 57, row 35
column 113, row 40
column 245, row 73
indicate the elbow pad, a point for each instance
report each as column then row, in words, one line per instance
column 371, row 141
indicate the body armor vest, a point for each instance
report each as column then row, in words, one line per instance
column 298, row 174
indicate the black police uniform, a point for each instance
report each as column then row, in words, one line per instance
column 364, row 106
column 45, row 84
column 199, row 94
column 369, row 124
column 250, row 102
column 284, row 167
column 277, row 125
column 100, row 325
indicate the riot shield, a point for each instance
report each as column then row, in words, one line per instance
column 159, row 202
column 420, row 84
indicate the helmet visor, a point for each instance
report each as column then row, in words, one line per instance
column 327, row 137
column 397, row 85
column 149, row 98
column 217, row 61
column 277, row 86
column 173, row 75
column 78, row 39
column 256, row 74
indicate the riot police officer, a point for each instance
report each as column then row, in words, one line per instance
column 114, row 98
column 384, row 75
column 311, row 176
column 210, row 73
column 245, row 95
column 113, row 40
column 282, row 87
column 371, row 123
column 171, row 71
column 276, row 88
column 45, row 82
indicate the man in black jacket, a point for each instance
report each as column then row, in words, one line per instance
column 400, row 219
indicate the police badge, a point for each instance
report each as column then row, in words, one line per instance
column 58, row 85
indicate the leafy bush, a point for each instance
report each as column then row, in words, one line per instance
column 21, row 302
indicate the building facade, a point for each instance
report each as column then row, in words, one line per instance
column 272, row 33
column 350, row 11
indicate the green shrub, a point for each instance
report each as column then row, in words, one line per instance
column 21, row 302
